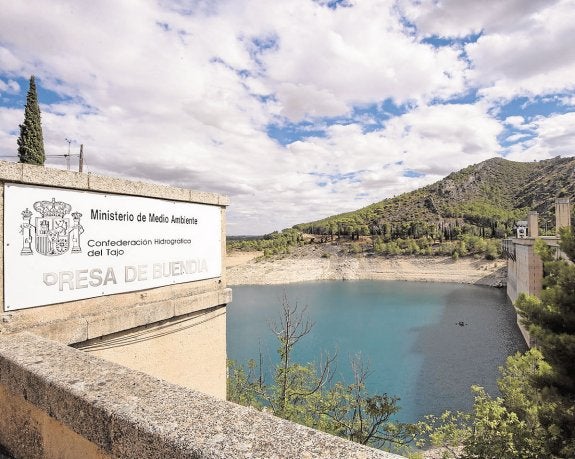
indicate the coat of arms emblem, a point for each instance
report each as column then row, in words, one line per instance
column 52, row 233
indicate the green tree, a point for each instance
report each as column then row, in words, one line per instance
column 294, row 382
column 31, row 141
column 505, row 427
column 304, row 393
column 497, row 432
column 355, row 414
column 551, row 323
column 242, row 388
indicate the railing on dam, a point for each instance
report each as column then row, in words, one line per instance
column 508, row 249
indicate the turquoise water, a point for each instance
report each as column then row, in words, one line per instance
column 408, row 333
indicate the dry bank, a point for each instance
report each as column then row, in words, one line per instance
column 309, row 263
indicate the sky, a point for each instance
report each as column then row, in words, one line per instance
column 295, row 109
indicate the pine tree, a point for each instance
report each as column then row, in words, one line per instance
column 31, row 141
column 551, row 321
column 304, row 393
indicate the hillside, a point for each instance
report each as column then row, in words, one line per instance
column 484, row 199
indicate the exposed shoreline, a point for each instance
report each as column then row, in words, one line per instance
column 302, row 266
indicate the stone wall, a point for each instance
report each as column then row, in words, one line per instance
column 58, row 402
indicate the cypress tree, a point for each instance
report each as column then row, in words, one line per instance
column 31, row 141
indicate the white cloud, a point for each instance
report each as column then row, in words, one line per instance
column 12, row 119
column 460, row 18
column 302, row 100
column 357, row 55
column 534, row 60
column 181, row 92
column 463, row 133
column 9, row 87
column 524, row 48
column 515, row 121
column 516, row 137
column 553, row 136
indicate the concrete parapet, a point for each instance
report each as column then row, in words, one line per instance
column 59, row 399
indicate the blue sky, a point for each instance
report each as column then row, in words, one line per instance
column 297, row 109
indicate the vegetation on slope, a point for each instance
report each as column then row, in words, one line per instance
column 463, row 214
column 485, row 200
column 271, row 244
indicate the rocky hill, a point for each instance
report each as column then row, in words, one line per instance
column 484, row 199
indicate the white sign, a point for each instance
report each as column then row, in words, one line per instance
column 63, row 245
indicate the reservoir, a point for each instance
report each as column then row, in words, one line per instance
column 426, row 343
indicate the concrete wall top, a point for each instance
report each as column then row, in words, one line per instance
column 129, row 414
column 44, row 176
column 552, row 241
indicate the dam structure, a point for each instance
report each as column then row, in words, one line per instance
column 524, row 266
column 113, row 326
